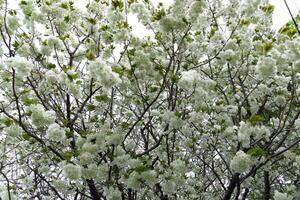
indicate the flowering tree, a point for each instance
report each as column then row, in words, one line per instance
column 206, row 107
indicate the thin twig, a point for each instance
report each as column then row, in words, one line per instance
column 291, row 14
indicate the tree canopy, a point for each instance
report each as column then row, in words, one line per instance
column 205, row 107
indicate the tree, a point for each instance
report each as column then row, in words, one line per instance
column 207, row 107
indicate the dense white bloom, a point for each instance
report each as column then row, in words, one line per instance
column 188, row 79
column 60, row 185
column 133, row 180
column 89, row 147
column 169, row 23
column 24, row 50
column 195, row 9
column 113, row 194
column 142, row 13
column 282, row 196
column 13, row 22
column 85, row 158
column 178, row 166
column 74, row 89
column 51, row 76
column 55, row 133
column 13, row 130
column 297, row 123
column 55, row 42
column 266, row 67
column 167, row 91
column 149, row 176
column 102, row 172
column 40, row 117
column 90, row 172
column 73, row 172
column 296, row 66
column 241, row 162
column 114, row 138
column 169, row 186
column 104, row 74
column 229, row 55
column 5, row 196
column 229, row 131
column 244, row 135
column 297, row 162
column 22, row 66
column 280, row 100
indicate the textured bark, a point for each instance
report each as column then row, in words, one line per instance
column 267, row 190
column 231, row 187
column 93, row 190
column 245, row 194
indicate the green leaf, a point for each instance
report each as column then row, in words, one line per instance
column 118, row 69
column 83, row 133
column 28, row 101
column 64, row 6
column 104, row 28
column 16, row 44
column 268, row 8
column 296, row 151
column 50, row 66
column 153, row 88
column 7, row 122
column 256, row 152
column 159, row 14
column 124, row 125
column 90, row 55
column 68, row 155
column 92, row 21
column 178, row 114
column 26, row 136
column 117, row 4
column 141, row 168
column 39, row 57
column 245, row 22
column 67, row 18
column 102, row 98
column 174, row 78
column 90, row 107
column 68, row 133
column 23, row 2
column 63, row 37
column 73, row 76
column 256, row 119
column 266, row 47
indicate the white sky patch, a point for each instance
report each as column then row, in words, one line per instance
column 281, row 14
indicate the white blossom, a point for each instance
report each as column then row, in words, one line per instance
column 169, row 186
column 241, row 162
column 40, row 117
column 266, row 67
column 73, row 172
column 282, row 196
column 244, row 135
column 104, row 74
column 113, row 194
column 55, row 133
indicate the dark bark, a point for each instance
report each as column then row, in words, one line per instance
column 267, row 190
column 231, row 187
column 93, row 190
column 245, row 194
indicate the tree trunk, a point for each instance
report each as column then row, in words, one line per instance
column 93, row 190
column 230, row 188
column 267, row 191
